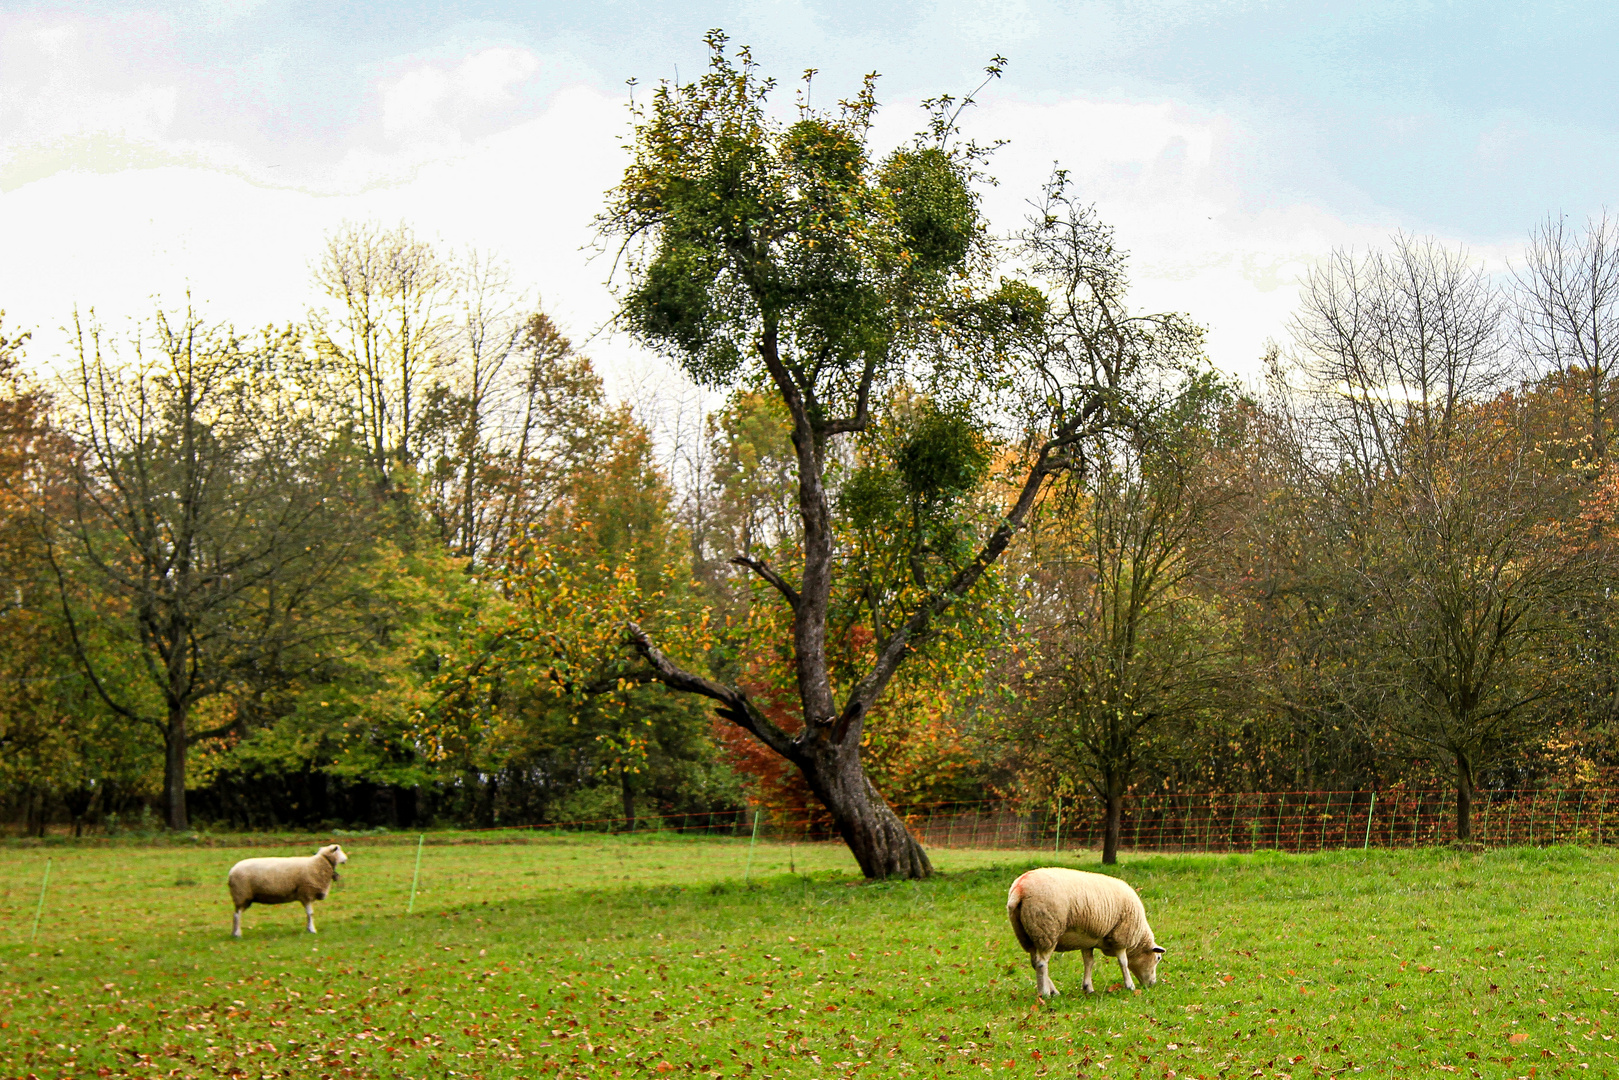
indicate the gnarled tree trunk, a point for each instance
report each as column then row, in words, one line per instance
column 876, row 836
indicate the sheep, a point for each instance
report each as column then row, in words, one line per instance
column 281, row 881
column 1057, row 910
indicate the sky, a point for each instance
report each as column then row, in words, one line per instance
column 204, row 147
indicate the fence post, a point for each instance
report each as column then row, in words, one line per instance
column 1601, row 811
column 1578, row 810
column 1557, row 813
column 40, row 910
column 1056, row 844
column 417, row 876
column 749, row 868
column 1367, row 843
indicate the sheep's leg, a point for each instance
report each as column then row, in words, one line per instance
column 1039, row 960
column 309, row 916
column 1090, row 961
column 1124, row 966
column 236, row 924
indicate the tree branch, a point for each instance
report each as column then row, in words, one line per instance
column 1052, row 458
column 78, row 644
column 734, row 704
column 862, row 413
column 762, row 568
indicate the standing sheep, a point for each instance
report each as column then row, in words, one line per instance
column 281, row 881
column 1058, row 910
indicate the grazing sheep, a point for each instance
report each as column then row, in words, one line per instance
column 1057, row 910
column 281, row 881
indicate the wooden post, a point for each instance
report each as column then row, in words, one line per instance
column 1367, row 843
column 1056, row 843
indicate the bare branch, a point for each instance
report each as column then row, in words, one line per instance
column 763, row 569
column 734, row 704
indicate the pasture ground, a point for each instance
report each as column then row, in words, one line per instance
column 603, row 956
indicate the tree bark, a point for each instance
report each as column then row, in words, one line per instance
column 1114, row 821
column 174, row 767
column 628, row 794
column 1464, row 798
column 876, row 836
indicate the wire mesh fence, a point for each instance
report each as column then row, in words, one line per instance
column 1210, row 822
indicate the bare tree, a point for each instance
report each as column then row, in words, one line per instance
column 1447, row 571
column 1568, row 311
column 1393, row 343
column 388, row 335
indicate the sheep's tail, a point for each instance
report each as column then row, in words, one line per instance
column 1014, row 912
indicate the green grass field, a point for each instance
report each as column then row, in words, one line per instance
column 604, row 956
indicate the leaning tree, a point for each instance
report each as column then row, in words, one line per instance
column 784, row 254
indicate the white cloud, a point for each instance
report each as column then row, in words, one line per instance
column 64, row 78
column 451, row 153
column 434, row 102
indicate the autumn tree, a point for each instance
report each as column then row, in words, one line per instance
column 784, row 255
column 1567, row 300
column 203, row 524
column 1451, row 566
column 1127, row 641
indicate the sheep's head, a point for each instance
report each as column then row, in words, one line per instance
column 334, row 854
column 1144, row 964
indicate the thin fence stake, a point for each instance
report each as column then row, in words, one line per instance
column 40, row 910
column 1367, row 843
column 410, row 909
column 1557, row 813
column 1056, row 844
column 749, row 868
column 1578, row 810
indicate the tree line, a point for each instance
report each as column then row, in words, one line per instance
column 965, row 524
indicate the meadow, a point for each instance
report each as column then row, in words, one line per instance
column 649, row 956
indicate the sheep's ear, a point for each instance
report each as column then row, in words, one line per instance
column 1159, row 949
